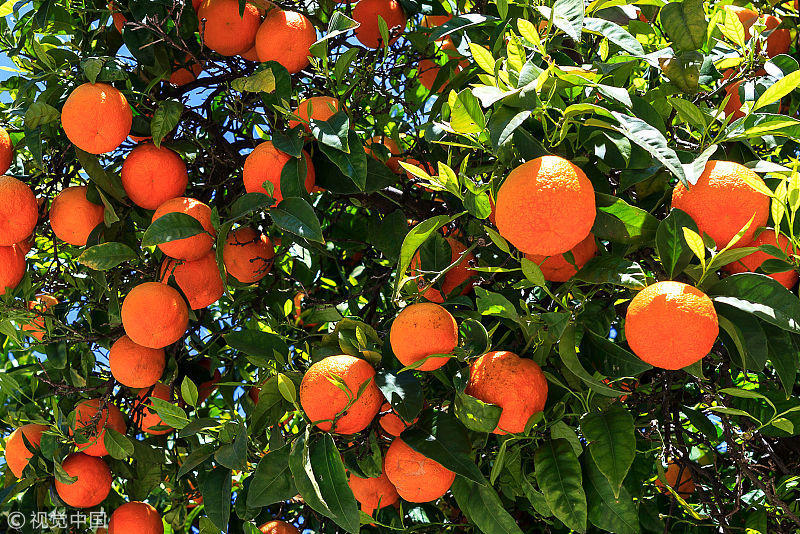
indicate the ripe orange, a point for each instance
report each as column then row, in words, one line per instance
column 93, row 483
column 17, row 453
column 135, row 516
column 298, row 299
column 286, row 37
column 322, row 399
column 6, row 151
column 753, row 261
column 96, row 118
column 746, row 16
column 319, row 108
column 722, row 202
column 391, row 423
column 373, row 493
column 73, row 216
column 187, row 72
column 278, row 527
column 12, row 267
column 152, row 175
column 432, row 21
column 780, row 40
column 265, row 163
column 495, row 374
column 250, row 54
column 734, row 104
column 36, row 327
column 154, row 315
column 671, row 325
column 459, row 277
column 248, row 255
column 224, row 30
column 199, row 279
column 556, row 268
column 150, row 419
column 416, row 477
column 545, row 206
column 393, row 162
column 88, row 414
column 427, row 71
column 135, row 366
column 686, row 485
column 196, row 246
column 421, row 330
column 367, row 12
column 18, row 211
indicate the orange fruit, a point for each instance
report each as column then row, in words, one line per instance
column 187, row 73
column 18, row 211
column 196, row 246
column 393, row 162
column 135, row 516
column 265, row 164
column 495, row 374
column 753, row 261
column 17, row 453
column 780, row 40
column 391, row 423
column 36, row 327
column 671, row 325
column 199, row 279
column 545, row 206
column 88, row 414
column 118, row 18
column 319, row 108
column 685, row 487
column 248, row 255
column 746, row 16
column 722, row 202
column 373, row 493
column 298, row 299
column 556, row 268
column 93, row 481
column 416, row 477
column 73, row 217
column 286, row 37
column 96, row 118
column 421, row 330
column 322, row 400
column 135, row 366
column 12, row 267
column 734, row 104
column 427, row 71
column 278, row 527
column 153, row 175
column 432, row 21
column 150, row 420
column 6, row 151
column 225, row 31
column 367, row 12
column 154, row 315
column 459, row 277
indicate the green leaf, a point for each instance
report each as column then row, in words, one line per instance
column 412, row 241
column 746, row 333
column 607, row 511
column 762, row 296
column 621, row 222
column 490, row 303
column 353, row 163
column 685, row 23
column 778, row 90
column 466, row 116
column 165, row 119
column 171, row 414
column 783, row 354
column 189, row 391
column 482, row 57
column 106, row 256
column 248, row 203
column 334, row 132
column 295, row 215
column 109, row 183
column 614, row 33
column 482, row 506
column 673, row 250
column 305, row 480
column 262, row 81
column 441, row 437
column 567, row 16
column 215, row 486
column 195, row 458
column 566, row 349
column 533, row 272
column 117, row 444
column 272, row 480
column 260, row 347
column 403, row 391
column 612, row 442
column 558, row 474
column 613, row 270
column 40, row 113
column 234, row 455
column 171, row 227
column 652, row 140
column 7, row 8
column 476, row 415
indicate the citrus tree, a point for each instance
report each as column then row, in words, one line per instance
column 399, row 266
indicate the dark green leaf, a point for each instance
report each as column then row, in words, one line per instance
column 272, row 480
column 106, row 256
column 558, row 474
column 612, row 443
column 483, row 507
column 295, row 215
column 171, row 227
